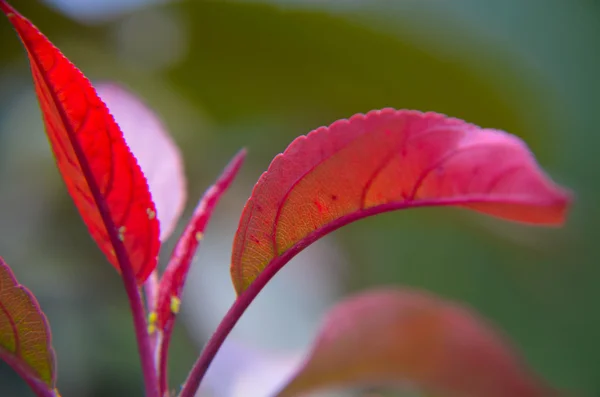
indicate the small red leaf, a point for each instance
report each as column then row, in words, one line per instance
column 25, row 340
column 403, row 337
column 383, row 161
column 101, row 174
column 173, row 279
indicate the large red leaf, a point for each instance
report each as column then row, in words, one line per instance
column 24, row 335
column 410, row 338
column 101, row 174
column 383, row 161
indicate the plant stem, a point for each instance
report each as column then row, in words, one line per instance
column 231, row 318
column 127, row 274
column 163, row 357
column 151, row 293
column 39, row 387
column 141, row 331
column 244, row 300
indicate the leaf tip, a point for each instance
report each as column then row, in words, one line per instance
column 7, row 9
column 237, row 161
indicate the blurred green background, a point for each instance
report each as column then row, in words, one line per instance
column 223, row 75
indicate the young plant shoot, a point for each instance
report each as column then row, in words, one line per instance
column 125, row 176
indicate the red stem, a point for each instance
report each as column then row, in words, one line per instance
column 129, row 280
column 151, row 293
column 41, row 389
column 141, row 329
column 238, row 308
column 244, row 300
column 127, row 274
column 163, row 357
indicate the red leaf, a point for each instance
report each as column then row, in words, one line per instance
column 25, row 340
column 384, row 161
column 173, row 279
column 404, row 337
column 100, row 173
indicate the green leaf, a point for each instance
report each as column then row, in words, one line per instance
column 25, row 339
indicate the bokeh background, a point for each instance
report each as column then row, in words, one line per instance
column 228, row 74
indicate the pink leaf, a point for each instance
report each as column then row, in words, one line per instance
column 157, row 154
column 384, row 161
column 403, row 337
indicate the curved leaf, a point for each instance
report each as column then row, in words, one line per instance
column 102, row 176
column 25, row 340
column 156, row 153
column 383, row 161
column 403, row 337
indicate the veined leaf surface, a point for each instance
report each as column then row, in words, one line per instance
column 25, row 340
column 101, row 175
column 383, row 161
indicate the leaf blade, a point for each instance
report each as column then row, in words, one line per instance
column 101, row 175
column 383, row 161
column 399, row 336
column 25, row 338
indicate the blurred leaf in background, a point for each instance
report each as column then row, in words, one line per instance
column 259, row 73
